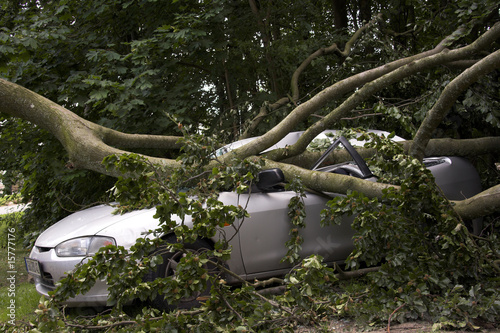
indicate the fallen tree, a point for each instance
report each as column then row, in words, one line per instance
column 440, row 273
column 88, row 144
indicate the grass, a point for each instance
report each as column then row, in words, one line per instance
column 26, row 301
column 17, row 295
column 14, row 281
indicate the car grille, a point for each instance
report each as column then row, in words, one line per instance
column 47, row 281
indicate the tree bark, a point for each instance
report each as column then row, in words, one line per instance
column 263, row 24
column 364, row 10
column 482, row 204
column 339, row 89
column 86, row 143
column 340, row 14
column 448, row 97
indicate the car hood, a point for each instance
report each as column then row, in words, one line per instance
column 98, row 220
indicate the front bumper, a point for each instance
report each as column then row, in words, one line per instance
column 54, row 268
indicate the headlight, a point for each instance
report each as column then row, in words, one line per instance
column 84, row 246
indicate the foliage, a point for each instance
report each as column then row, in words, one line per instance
column 208, row 67
column 297, row 216
column 229, row 308
column 14, row 198
column 431, row 264
column 8, row 221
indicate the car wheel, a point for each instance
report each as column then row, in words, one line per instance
column 168, row 268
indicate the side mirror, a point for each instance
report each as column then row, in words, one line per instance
column 270, row 178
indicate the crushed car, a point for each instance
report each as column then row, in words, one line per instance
column 258, row 247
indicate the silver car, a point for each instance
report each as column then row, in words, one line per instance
column 258, row 247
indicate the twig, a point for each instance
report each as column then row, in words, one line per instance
column 342, row 275
column 100, row 327
column 128, row 322
column 273, row 303
column 233, row 310
column 390, row 317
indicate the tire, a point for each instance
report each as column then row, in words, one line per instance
column 167, row 268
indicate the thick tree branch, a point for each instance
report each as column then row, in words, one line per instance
column 482, row 204
column 264, row 110
column 322, row 52
column 337, row 90
column 385, row 80
column 87, row 143
column 330, row 182
column 459, row 147
column 126, row 140
column 448, row 97
column 436, row 147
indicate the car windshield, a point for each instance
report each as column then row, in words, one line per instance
column 357, row 168
column 319, row 143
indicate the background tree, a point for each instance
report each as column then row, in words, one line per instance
column 238, row 69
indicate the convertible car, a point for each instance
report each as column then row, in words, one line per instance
column 260, row 244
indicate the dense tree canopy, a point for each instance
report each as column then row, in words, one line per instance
column 134, row 76
column 237, row 69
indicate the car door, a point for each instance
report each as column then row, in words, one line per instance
column 263, row 235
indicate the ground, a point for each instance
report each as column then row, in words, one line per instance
column 340, row 326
